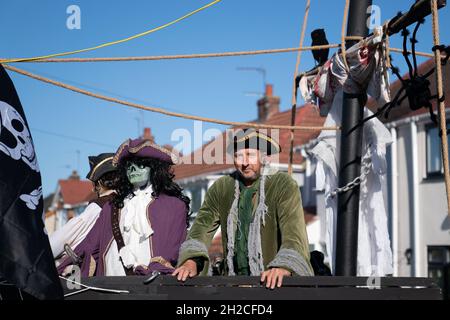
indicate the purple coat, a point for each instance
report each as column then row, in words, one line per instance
column 167, row 216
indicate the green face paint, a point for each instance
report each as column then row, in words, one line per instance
column 138, row 175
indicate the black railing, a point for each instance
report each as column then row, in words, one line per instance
column 446, row 282
column 250, row 288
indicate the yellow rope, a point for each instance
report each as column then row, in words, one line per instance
column 118, row 41
column 440, row 92
column 294, row 87
column 182, row 56
column 162, row 111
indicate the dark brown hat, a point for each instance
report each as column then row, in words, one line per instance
column 253, row 139
column 100, row 165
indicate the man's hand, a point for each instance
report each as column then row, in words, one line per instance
column 187, row 269
column 274, row 277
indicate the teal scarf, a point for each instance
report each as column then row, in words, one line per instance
column 245, row 217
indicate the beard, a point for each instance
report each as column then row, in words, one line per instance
column 249, row 176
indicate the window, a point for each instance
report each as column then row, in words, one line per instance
column 434, row 155
column 438, row 257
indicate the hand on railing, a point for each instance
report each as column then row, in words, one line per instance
column 274, row 277
column 187, row 269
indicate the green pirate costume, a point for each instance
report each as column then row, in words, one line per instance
column 262, row 225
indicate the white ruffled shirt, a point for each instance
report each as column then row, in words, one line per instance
column 136, row 231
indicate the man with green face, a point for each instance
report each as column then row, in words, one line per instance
column 138, row 174
column 141, row 229
column 261, row 219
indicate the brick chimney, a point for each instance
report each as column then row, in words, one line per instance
column 74, row 175
column 148, row 135
column 268, row 105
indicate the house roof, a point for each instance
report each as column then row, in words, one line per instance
column 306, row 115
column 75, row 191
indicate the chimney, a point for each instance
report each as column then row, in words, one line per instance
column 74, row 175
column 148, row 135
column 268, row 105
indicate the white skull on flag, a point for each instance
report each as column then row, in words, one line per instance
column 15, row 138
column 32, row 200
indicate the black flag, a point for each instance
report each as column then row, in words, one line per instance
column 26, row 260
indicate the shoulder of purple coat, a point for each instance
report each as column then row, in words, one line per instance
column 171, row 200
column 105, row 214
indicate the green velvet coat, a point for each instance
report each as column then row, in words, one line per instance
column 283, row 237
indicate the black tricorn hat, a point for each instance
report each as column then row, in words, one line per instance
column 253, row 139
column 100, row 165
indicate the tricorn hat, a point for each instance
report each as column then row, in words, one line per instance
column 253, row 139
column 100, row 165
column 143, row 148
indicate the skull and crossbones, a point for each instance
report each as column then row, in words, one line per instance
column 15, row 138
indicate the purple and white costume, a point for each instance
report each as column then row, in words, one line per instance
column 152, row 228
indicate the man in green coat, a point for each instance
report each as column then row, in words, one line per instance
column 260, row 215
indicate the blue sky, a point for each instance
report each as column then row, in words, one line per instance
column 206, row 87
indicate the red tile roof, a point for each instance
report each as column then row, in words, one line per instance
column 306, row 115
column 75, row 192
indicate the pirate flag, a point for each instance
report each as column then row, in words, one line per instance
column 26, row 260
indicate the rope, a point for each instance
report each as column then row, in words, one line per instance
column 203, row 55
column 423, row 54
column 117, row 41
column 181, row 56
column 159, row 110
column 343, row 29
column 440, row 92
column 356, row 38
column 387, row 45
column 294, row 87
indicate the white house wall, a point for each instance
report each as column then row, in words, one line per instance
column 404, row 208
column 433, row 222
